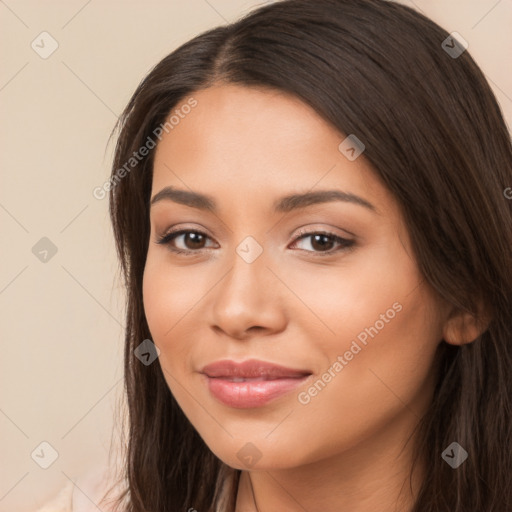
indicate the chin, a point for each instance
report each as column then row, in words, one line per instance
column 259, row 454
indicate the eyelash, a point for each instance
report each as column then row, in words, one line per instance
column 345, row 243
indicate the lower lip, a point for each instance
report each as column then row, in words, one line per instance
column 256, row 393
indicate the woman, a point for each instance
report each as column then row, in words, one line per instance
column 311, row 215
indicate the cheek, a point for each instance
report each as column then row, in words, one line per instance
column 379, row 371
column 360, row 298
column 168, row 299
column 375, row 358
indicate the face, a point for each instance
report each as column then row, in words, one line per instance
column 325, row 287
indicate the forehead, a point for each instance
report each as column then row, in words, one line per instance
column 256, row 141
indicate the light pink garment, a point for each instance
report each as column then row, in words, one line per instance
column 84, row 495
column 61, row 502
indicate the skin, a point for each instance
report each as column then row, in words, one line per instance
column 347, row 448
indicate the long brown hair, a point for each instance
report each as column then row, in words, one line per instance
column 436, row 137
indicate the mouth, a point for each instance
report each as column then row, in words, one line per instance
column 252, row 383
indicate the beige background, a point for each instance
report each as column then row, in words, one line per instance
column 62, row 320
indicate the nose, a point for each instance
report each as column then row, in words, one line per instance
column 249, row 300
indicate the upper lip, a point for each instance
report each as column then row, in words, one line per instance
column 252, row 368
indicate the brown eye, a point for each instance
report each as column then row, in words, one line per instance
column 193, row 240
column 321, row 242
column 190, row 241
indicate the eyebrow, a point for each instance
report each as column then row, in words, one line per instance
column 282, row 205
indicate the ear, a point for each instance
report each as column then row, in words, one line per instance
column 462, row 328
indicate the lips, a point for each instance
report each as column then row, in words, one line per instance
column 251, row 383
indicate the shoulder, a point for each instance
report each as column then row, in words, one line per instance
column 90, row 490
column 86, row 494
column 61, row 502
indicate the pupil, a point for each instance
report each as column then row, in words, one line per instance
column 195, row 238
column 321, row 239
